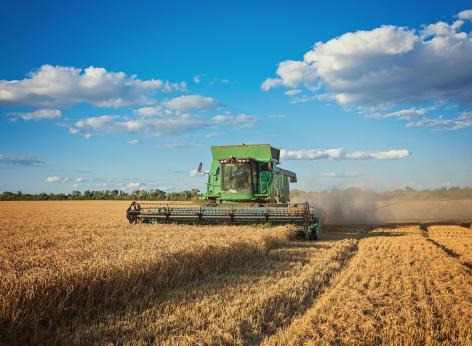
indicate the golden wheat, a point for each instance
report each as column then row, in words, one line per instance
column 78, row 273
column 454, row 238
column 59, row 258
column 239, row 306
column 399, row 289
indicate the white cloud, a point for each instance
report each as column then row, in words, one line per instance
column 245, row 120
column 73, row 130
column 441, row 29
column 156, row 126
column 293, row 92
column 40, row 114
column 119, row 184
column 149, row 111
column 100, row 122
column 79, row 179
column 378, row 155
column 342, row 154
column 177, row 145
column 56, row 179
column 62, row 86
column 53, row 179
column 270, row 83
column 465, row 15
column 133, row 185
column 387, row 66
column 405, row 114
column 276, row 116
column 340, row 175
column 20, row 161
column 134, row 141
column 214, row 134
column 197, row 79
column 312, row 154
column 87, row 136
column 191, row 102
column 291, row 74
column 241, row 120
column 177, row 86
column 461, row 122
column 222, row 118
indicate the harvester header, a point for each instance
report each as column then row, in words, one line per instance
column 245, row 185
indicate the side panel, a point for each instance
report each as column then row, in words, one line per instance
column 214, row 180
column 279, row 187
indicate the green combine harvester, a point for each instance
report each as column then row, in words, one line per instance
column 245, row 186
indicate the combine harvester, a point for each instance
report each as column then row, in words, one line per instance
column 245, row 186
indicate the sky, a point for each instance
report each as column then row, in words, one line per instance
column 131, row 95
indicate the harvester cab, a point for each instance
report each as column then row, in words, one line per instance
column 245, row 185
column 248, row 173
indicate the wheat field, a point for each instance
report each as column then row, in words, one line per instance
column 76, row 272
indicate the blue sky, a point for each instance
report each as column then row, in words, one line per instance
column 101, row 95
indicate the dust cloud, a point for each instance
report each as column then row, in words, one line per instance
column 342, row 207
column 355, row 206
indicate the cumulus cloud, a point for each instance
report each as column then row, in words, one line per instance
column 100, row 122
column 153, row 111
column 291, row 74
column 387, row 66
column 40, row 114
column 20, row 161
column 156, row 126
column 63, row 86
column 465, row 15
column 56, row 179
column 176, row 124
column 191, row 103
column 340, row 175
column 342, row 154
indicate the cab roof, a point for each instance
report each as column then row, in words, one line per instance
column 259, row 152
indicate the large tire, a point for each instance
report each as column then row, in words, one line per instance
column 313, row 232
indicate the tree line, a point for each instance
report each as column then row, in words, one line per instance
column 406, row 193
column 150, row 195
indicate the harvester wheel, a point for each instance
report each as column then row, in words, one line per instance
column 313, row 232
column 132, row 212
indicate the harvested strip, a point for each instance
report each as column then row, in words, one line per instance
column 454, row 238
column 240, row 306
column 399, row 289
